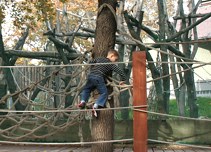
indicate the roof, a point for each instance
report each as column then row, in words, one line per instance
column 203, row 31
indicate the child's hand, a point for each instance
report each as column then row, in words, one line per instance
column 121, row 82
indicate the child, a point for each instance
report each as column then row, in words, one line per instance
column 96, row 80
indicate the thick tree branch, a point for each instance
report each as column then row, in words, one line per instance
column 90, row 35
column 19, row 45
column 131, row 30
column 38, row 55
column 60, row 43
column 151, row 33
column 1, row 43
column 63, row 56
column 189, row 27
column 189, row 16
column 79, row 34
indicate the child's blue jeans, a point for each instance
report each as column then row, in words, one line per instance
column 95, row 82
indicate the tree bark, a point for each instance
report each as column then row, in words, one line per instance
column 3, row 85
column 190, row 83
column 103, row 126
column 102, row 130
column 189, row 75
column 179, row 88
column 3, row 59
column 164, row 57
column 105, row 27
column 40, row 55
column 191, row 91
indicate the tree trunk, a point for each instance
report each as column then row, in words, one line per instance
column 190, row 83
column 103, row 126
column 165, row 68
column 105, row 28
column 102, row 130
column 182, row 93
column 191, row 91
column 3, row 84
column 189, row 75
column 179, row 89
column 181, row 99
column 6, row 61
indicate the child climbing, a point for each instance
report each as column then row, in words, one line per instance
column 96, row 80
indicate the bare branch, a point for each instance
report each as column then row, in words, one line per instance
column 190, row 16
column 189, row 27
column 39, row 55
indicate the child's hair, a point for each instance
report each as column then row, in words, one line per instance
column 114, row 52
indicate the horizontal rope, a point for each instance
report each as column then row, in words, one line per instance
column 68, row 65
column 196, row 62
column 189, row 68
column 72, row 143
column 156, row 49
column 176, row 143
column 100, row 142
column 185, row 42
column 71, row 110
column 167, row 115
column 89, row 64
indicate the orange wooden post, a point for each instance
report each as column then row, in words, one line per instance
column 140, row 132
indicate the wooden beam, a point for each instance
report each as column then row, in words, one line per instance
column 140, row 132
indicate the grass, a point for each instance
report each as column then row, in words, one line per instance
column 204, row 107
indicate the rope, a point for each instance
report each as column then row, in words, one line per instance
column 63, row 66
column 72, row 110
column 125, row 86
column 72, row 143
column 15, row 80
column 100, row 142
column 195, row 62
column 47, row 113
column 152, row 48
column 167, row 115
column 189, row 68
column 186, row 42
column 89, row 64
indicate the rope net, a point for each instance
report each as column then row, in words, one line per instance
column 42, row 100
column 46, row 100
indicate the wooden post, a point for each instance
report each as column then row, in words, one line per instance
column 140, row 132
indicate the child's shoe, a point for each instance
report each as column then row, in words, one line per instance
column 82, row 105
column 94, row 112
